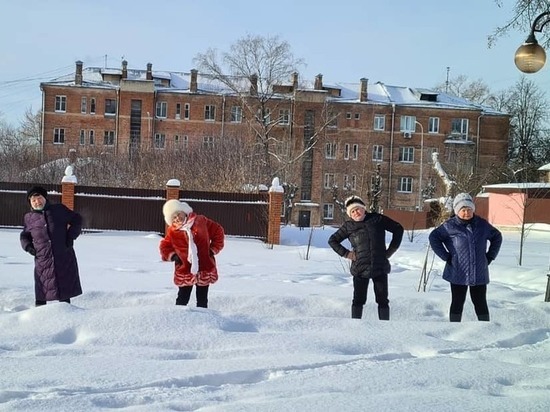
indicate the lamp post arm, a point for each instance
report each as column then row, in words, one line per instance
column 539, row 23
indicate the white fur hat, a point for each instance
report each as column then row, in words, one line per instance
column 463, row 200
column 352, row 202
column 173, row 206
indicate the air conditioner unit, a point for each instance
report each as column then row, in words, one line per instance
column 407, row 135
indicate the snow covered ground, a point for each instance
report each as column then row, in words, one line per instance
column 277, row 335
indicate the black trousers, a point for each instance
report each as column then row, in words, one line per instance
column 360, row 288
column 184, row 294
column 478, row 294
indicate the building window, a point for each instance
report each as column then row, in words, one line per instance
column 459, row 128
column 284, row 116
column 92, row 105
column 328, row 211
column 329, row 181
column 355, row 151
column 377, row 153
column 208, row 142
column 178, row 111
column 373, row 180
column 379, row 122
column 348, row 115
column 59, row 136
column 406, row 154
column 83, row 104
column 162, row 109
column 160, row 141
column 60, row 103
column 332, row 119
column 109, row 138
column 405, row 185
column 91, row 137
column 346, row 151
column 408, row 124
column 236, row 114
column 433, row 125
column 357, row 116
column 350, row 183
column 110, row 107
column 185, row 142
column 82, row 137
column 186, row 111
column 330, row 151
column 210, row 112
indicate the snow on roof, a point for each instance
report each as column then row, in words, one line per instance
column 378, row 93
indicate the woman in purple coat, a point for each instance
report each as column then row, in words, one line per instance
column 48, row 234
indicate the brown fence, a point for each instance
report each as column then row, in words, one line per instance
column 105, row 208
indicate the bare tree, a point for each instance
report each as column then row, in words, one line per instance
column 529, row 141
column 476, row 91
column 523, row 15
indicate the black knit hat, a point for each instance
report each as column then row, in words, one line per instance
column 37, row 190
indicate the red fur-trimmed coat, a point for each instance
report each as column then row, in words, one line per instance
column 209, row 238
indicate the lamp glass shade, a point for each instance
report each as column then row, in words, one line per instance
column 530, row 57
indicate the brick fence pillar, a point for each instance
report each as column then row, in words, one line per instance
column 172, row 192
column 276, row 198
column 68, row 184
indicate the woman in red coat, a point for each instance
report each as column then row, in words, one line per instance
column 191, row 242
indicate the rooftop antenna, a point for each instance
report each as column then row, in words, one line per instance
column 447, row 81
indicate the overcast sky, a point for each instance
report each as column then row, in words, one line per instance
column 402, row 42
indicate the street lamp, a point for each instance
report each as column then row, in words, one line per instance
column 530, row 56
column 421, row 163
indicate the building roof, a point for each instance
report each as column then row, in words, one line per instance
column 377, row 93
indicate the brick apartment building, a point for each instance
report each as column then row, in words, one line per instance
column 361, row 127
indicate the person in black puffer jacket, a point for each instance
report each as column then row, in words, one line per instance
column 369, row 256
column 461, row 241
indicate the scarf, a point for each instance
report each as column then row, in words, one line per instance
column 192, row 255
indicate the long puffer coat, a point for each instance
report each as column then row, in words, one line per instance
column 209, row 238
column 368, row 239
column 51, row 232
column 463, row 245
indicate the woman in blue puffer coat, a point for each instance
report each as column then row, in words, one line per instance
column 461, row 241
column 48, row 234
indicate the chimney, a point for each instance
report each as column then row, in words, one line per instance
column 193, row 86
column 124, row 69
column 318, row 82
column 78, row 73
column 149, row 75
column 363, row 95
column 254, row 84
column 294, row 81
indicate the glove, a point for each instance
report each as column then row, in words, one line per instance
column 30, row 250
column 175, row 258
column 69, row 242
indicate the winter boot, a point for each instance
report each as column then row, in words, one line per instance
column 384, row 313
column 483, row 318
column 356, row 312
column 455, row 317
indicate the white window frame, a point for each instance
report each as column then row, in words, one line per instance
column 92, row 105
column 330, row 150
column 377, row 153
column 111, row 107
column 406, row 154
column 405, row 184
column 58, row 135
column 284, row 117
column 91, row 137
column 82, row 139
column 328, row 211
column 83, row 104
column 236, row 114
column 329, row 180
column 433, row 125
column 186, row 111
column 355, row 152
column 209, row 113
column 178, row 111
column 60, row 104
column 109, row 138
column 159, row 141
column 379, row 122
column 408, row 124
column 347, row 151
column 161, row 110
column 208, row 142
column 462, row 124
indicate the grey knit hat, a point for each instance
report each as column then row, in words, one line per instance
column 463, row 200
